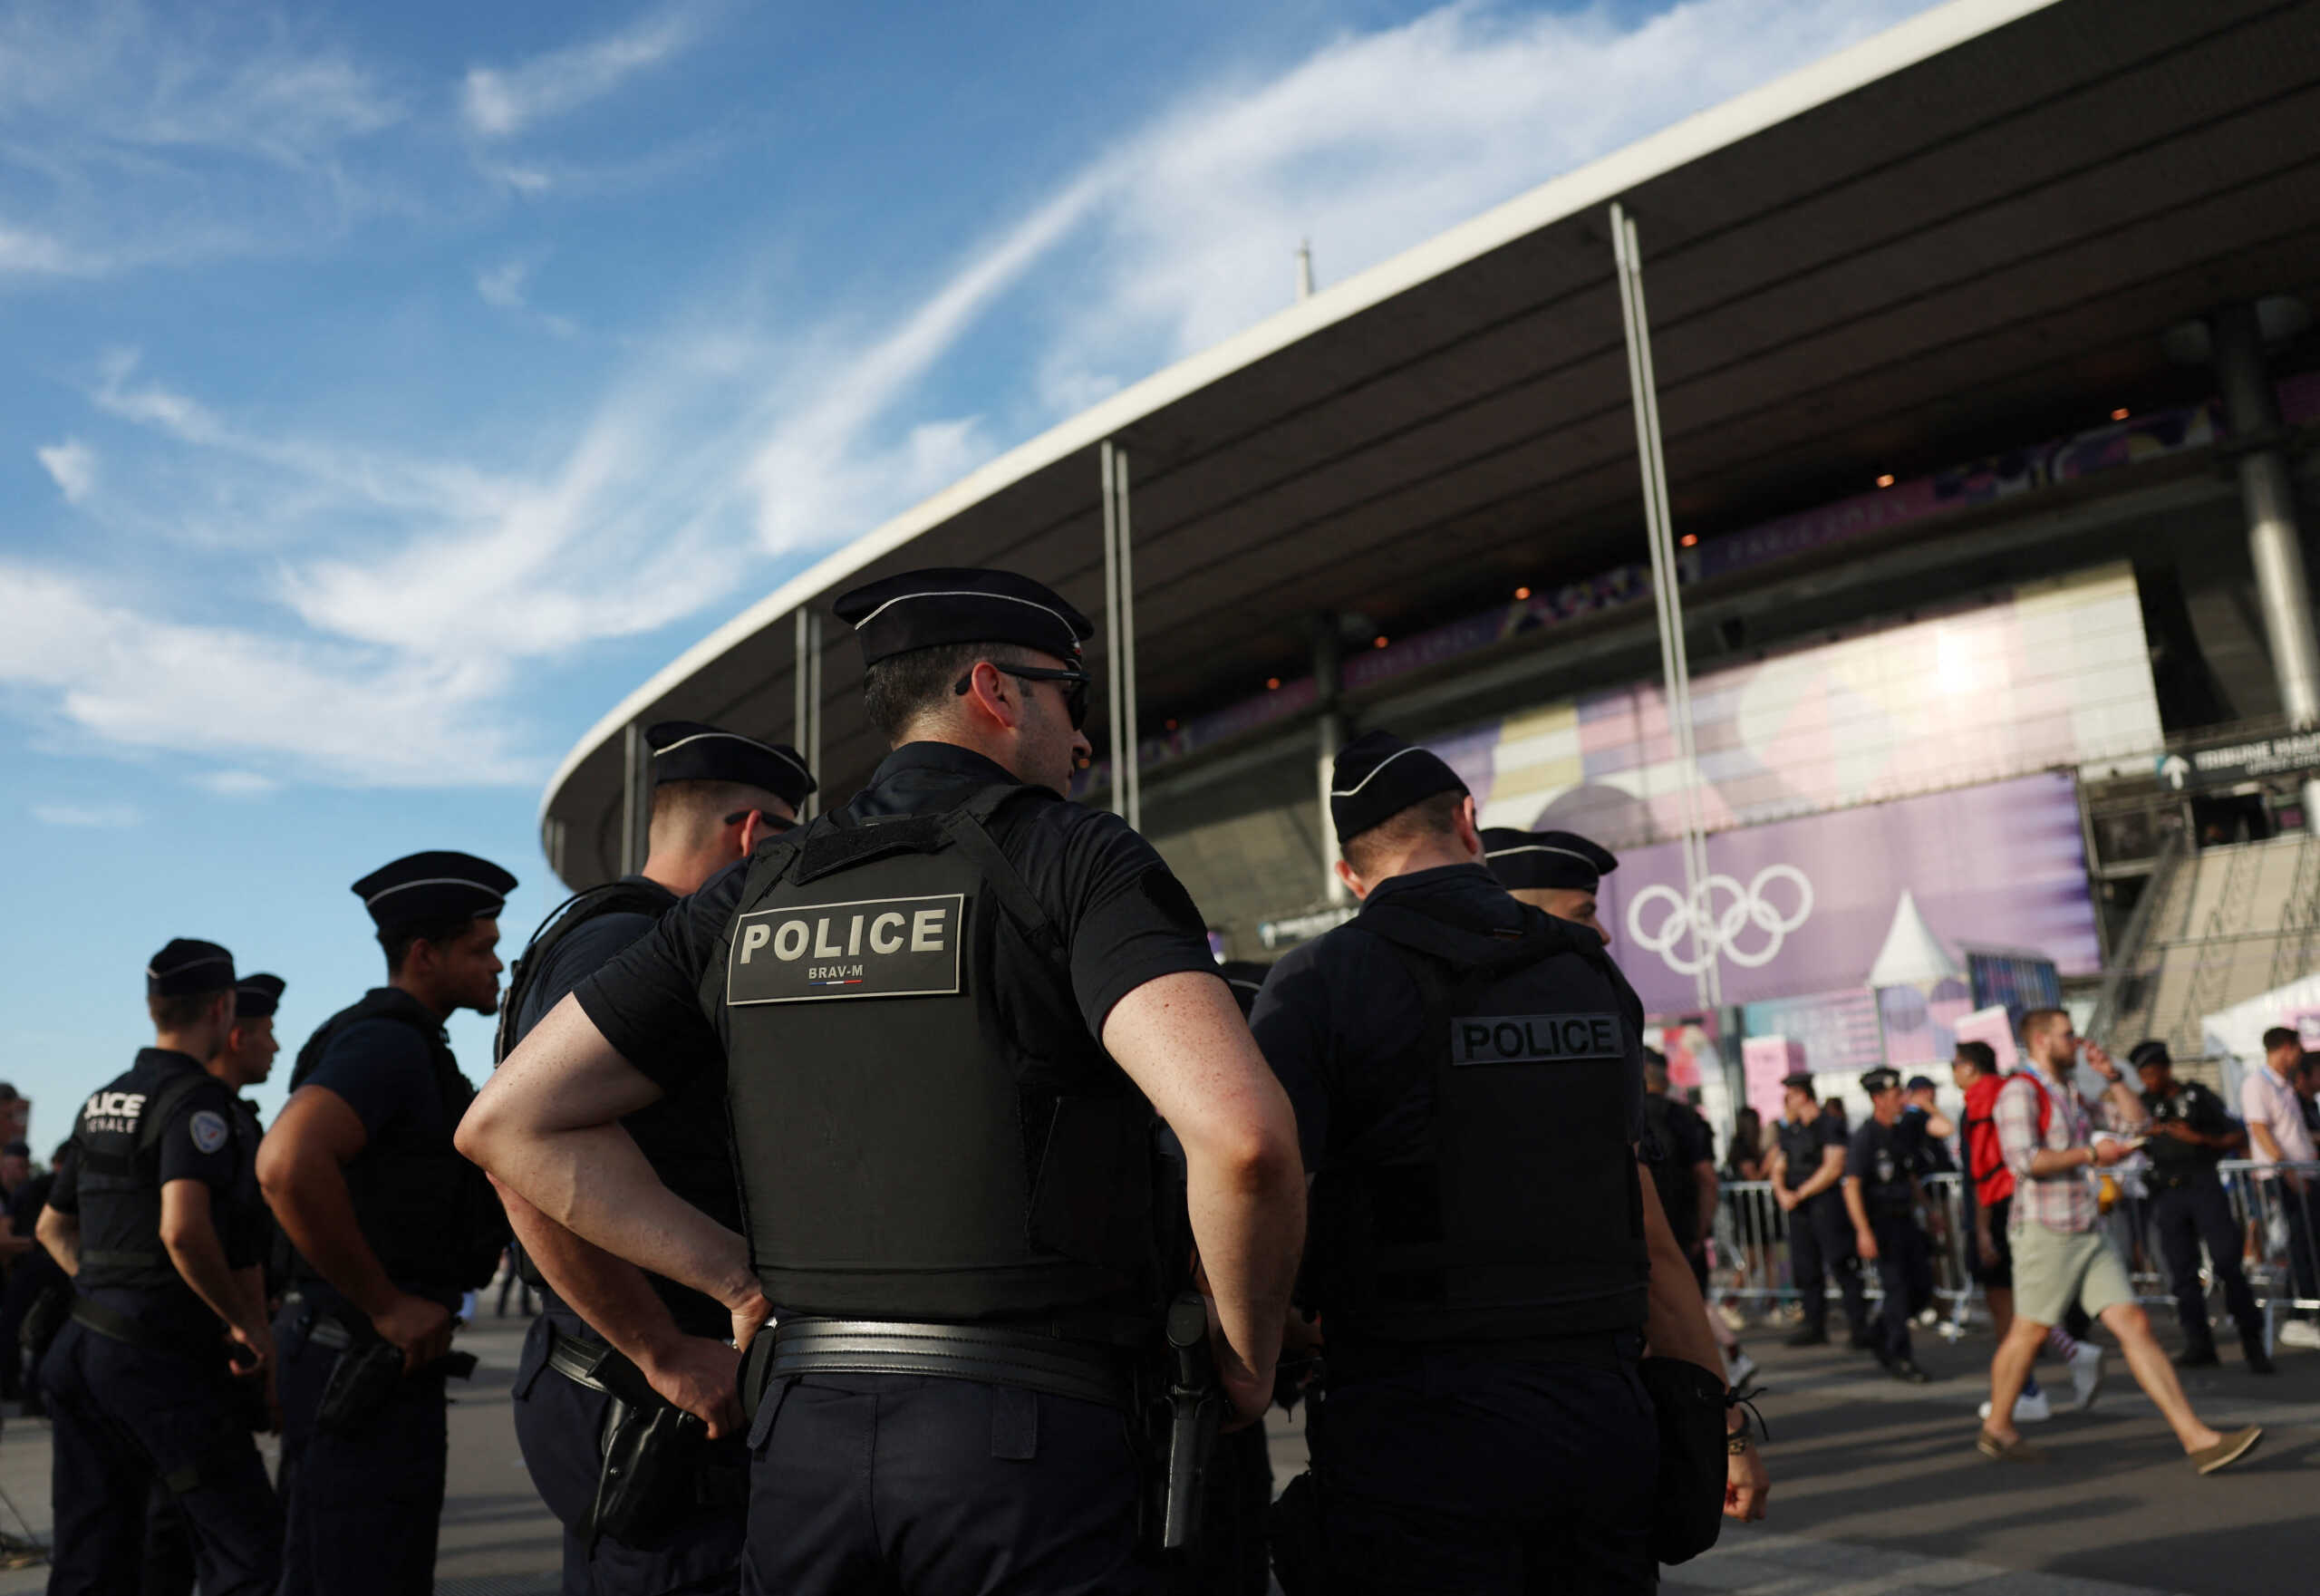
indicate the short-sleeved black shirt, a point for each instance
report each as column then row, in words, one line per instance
column 1800, row 1146
column 1882, row 1159
column 2194, row 1105
column 1337, row 1014
column 1927, row 1151
column 1122, row 916
column 1685, row 1144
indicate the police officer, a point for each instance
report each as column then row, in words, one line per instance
column 245, row 1061
column 614, row 1348
column 1556, row 871
column 141, row 1383
column 1881, row 1194
column 2191, row 1133
column 949, row 1009
column 1808, row 1162
column 391, row 1228
column 1484, row 1256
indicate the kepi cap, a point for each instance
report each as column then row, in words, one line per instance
column 1919, row 1083
column 2149, row 1051
column 421, row 889
column 687, row 751
column 257, row 996
column 1800, row 1081
column 1522, row 860
column 1376, row 776
column 1873, row 1081
column 960, row 603
column 186, row 966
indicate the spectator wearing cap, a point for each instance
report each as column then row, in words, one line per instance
column 1808, row 1162
column 717, row 793
column 1880, row 1192
column 2276, row 1136
column 1556, row 871
column 2190, row 1132
column 392, row 1228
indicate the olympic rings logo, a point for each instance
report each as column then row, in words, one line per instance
column 1686, row 936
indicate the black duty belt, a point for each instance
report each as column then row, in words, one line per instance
column 990, row 1354
column 115, row 1325
column 599, row 1367
column 323, row 1328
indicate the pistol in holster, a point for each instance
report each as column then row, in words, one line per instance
column 1194, row 1402
column 656, row 1463
column 366, row 1376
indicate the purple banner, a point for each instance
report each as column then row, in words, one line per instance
column 1803, row 907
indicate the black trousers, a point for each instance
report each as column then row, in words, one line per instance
column 1462, row 1477
column 2182, row 1217
column 363, row 1509
column 125, row 1416
column 1905, row 1272
column 558, row 1425
column 912, row 1485
column 1819, row 1242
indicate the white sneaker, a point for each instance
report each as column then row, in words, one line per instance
column 2299, row 1332
column 1927, row 1315
column 1737, row 1368
column 2030, row 1408
column 2086, row 1373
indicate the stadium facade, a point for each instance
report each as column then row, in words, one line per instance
column 1988, row 387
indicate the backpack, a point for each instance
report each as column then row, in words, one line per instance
column 1985, row 1156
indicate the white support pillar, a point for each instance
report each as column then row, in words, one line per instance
column 636, row 798
column 806, row 720
column 1328, row 737
column 1119, row 636
column 1674, row 660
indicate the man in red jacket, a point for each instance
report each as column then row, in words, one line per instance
column 1989, row 1198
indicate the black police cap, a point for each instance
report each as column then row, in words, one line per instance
column 424, row 889
column 1376, row 776
column 257, row 996
column 186, row 966
column 1880, row 1081
column 1522, row 860
column 1918, row 1083
column 960, row 603
column 2153, row 1051
column 1800, row 1081
column 687, row 751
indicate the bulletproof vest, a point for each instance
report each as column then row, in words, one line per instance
column 429, row 1215
column 1885, row 1189
column 613, row 897
column 923, row 1127
column 1498, row 1198
column 1799, row 1149
column 118, row 1139
column 1679, row 1182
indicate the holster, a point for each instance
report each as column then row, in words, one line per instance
column 647, row 1484
column 46, row 1316
column 1294, row 1528
column 362, row 1383
column 1687, row 1500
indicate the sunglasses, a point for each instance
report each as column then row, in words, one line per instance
column 1075, row 695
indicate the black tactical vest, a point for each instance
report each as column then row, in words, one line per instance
column 429, row 1215
column 119, row 1138
column 1498, row 1198
column 923, row 1128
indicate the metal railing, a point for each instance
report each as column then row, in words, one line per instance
column 2279, row 1225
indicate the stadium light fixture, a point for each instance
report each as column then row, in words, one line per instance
column 1688, row 539
column 1273, row 684
column 1379, row 641
column 1886, row 480
column 2120, row 414
column 1521, row 594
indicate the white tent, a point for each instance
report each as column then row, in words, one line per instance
column 2236, row 1035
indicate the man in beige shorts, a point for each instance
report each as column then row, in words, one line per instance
column 2060, row 1256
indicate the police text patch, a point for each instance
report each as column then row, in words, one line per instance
column 1535, row 1039
column 210, row 1130
column 865, row 948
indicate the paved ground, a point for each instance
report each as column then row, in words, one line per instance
column 1878, row 1492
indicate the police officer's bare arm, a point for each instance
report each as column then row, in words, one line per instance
column 302, row 1171
column 60, row 1232
column 1675, row 1326
column 1181, row 1039
column 189, row 1236
column 547, row 1125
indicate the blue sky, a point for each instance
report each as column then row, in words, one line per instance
column 388, row 388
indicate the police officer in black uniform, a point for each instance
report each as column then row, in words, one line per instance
column 2190, row 1132
column 615, row 1349
column 1808, row 1163
column 390, row 1227
column 1484, row 1256
column 141, row 1385
column 950, row 1009
column 1880, row 1195
column 1558, row 871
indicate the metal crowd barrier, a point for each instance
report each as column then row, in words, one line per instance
column 2279, row 1226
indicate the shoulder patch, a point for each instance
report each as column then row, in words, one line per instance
column 210, row 1130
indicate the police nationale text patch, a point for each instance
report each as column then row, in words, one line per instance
column 1535, row 1039
column 208, row 1128
column 866, row 948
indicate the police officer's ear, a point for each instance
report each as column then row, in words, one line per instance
column 1469, row 828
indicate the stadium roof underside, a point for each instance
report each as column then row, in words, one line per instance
column 1969, row 223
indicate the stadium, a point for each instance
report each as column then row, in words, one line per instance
column 1985, row 382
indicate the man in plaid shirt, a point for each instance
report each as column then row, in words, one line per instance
column 2059, row 1255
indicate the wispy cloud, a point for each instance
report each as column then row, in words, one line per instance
column 72, row 466
column 106, row 817
column 237, row 784
column 499, row 102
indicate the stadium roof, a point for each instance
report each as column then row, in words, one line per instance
column 1979, row 218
